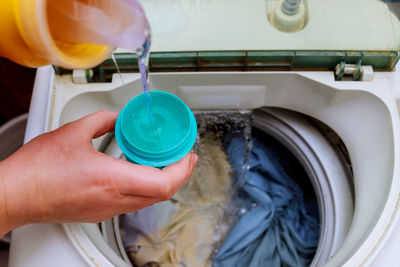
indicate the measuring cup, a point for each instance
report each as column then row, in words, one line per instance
column 164, row 140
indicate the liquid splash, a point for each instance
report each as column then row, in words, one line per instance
column 229, row 124
column 225, row 126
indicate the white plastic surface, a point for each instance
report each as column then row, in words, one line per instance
column 79, row 76
column 43, row 245
column 367, row 73
column 223, row 25
column 40, row 108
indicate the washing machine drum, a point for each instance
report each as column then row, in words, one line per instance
column 308, row 154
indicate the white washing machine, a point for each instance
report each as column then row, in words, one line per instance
column 342, row 124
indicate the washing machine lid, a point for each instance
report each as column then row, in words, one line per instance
column 209, row 35
column 237, row 25
column 220, row 33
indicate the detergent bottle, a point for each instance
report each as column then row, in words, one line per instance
column 74, row 34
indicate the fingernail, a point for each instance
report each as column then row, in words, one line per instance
column 194, row 158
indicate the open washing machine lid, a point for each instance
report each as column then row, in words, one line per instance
column 226, row 25
column 236, row 34
column 220, row 35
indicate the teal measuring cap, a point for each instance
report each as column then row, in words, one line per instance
column 160, row 140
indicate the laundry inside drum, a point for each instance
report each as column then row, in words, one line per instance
column 249, row 202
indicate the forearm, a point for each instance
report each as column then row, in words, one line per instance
column 11, row 197
column 4, row 216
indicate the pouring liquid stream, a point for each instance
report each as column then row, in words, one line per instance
column 143, row 61
column 143, row 55
column 116, row 65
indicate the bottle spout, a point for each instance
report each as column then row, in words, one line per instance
column 114, row 23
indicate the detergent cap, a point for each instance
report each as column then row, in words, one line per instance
column 165, row 140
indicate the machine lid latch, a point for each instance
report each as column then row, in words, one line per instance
column 82, row 76
column 357, row 71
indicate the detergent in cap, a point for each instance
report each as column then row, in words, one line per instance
column 165, row 140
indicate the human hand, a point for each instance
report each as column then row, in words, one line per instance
column 60, row 177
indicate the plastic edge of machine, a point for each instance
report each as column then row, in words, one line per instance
column 40, row 103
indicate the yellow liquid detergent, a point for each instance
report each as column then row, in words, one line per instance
column 69, row 33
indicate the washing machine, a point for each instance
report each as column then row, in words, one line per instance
column 322, row 81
